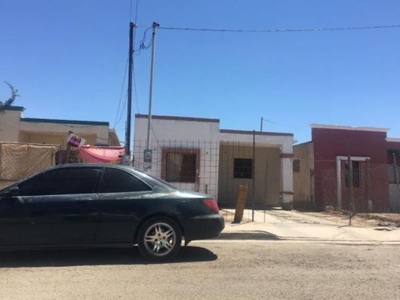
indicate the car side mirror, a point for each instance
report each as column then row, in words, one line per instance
column 14, row 191
column 11, row 193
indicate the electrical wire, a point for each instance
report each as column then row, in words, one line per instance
column 119, row 114
column 282, row 124
column 281, row 30
column 117, row 120
column 130, row 10
column 136, row 10
column 135, row 90
column 143, row 45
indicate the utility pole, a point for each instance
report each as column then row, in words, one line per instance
column 129, row 110
column 261, row 124
column 253, row 173
column 147, row 151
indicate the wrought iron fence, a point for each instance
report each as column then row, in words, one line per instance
column 220, row 169
column 359, row 187
column 260, row 176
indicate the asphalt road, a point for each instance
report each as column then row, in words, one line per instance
column 222, row 269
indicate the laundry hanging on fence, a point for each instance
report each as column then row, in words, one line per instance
column 101, row 154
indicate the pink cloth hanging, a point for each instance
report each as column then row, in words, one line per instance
column 101, row 154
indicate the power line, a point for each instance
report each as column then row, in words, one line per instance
column 120, row 117
column 263, row 120
column 136, row 10
column 130, row 10
column 117, row 120
column 142, row 43
column 281, row 30
column 136, row 94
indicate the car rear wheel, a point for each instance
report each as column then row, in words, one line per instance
column 159, row 239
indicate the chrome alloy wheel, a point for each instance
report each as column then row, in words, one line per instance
column 160, row 239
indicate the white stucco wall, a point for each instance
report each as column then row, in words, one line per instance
column 181, row 133
column 9, row 125
column 284, row 141
column 175, row 128
column 205, row 135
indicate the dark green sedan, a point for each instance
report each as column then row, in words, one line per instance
column 100, row 205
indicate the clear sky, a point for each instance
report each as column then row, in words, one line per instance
column 68, row 59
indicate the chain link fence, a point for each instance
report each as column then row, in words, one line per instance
column 265, row 176
column 19, row 160
column 359, row 187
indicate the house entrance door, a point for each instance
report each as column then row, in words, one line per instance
column 359, row 182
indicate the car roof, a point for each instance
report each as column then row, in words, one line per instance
column 88, row 165
column 147, row 177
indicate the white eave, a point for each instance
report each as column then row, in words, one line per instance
column 337, row 127
column 393, row 140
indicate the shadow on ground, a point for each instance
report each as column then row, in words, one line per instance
column 90, row 257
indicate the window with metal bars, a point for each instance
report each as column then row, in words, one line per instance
column 243, row 168
column 180, row 166
column 356, row 174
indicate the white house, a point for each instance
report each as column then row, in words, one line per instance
column 195, row 154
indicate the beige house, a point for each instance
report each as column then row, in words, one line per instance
column 15, row 128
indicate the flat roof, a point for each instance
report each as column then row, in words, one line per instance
column 15, row 108
column 354, row 128
column 55, row 121
column 175, row 118
column 250, row 132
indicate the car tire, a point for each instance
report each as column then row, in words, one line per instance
column 159, row 239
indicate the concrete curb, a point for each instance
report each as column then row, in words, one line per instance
column 260, row 235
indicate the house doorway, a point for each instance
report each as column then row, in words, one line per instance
column 358, row 180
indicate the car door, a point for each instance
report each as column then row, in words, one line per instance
column 62, row 205
column 15, row 224
column 123, row 200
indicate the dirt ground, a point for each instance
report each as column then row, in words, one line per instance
column 207, row 270
column 374, row 220
column 326, row 217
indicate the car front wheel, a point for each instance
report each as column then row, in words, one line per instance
column 159, row 239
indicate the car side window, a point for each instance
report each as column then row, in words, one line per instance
column 62, row 181
column 118, row 181
column 32, row 186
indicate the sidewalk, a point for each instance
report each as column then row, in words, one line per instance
column 295, row 226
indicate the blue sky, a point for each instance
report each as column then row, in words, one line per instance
column 68, row 60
